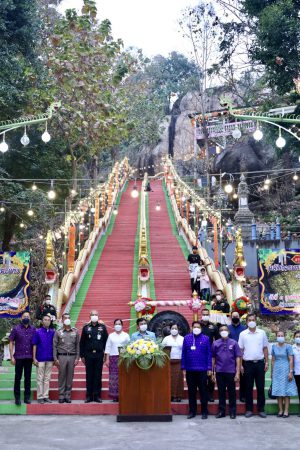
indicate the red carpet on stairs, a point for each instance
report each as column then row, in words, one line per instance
column 110, row 289
column 170, row 272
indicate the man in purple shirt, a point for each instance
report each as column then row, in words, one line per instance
column 21, row 336
column 43, row 358
column 226, row 363
column 196, row 361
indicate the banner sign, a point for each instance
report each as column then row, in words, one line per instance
column 279, row 280
column 14, row 283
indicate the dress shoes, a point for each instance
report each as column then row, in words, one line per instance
column 232, row 416
column 88, row 400
column 263, row 414
column 220, row 415
column 204, row 416
column 248, row 414
column 68, row 400
column 41, row 401
column 17, row 402
column 27, row 401
column 191, row 416
column 47, row 400
column 242, row 400
column 211, row 400
column 98, row 400
column 61, row 400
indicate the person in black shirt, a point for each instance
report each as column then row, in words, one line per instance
column 46, row 309
column 211, row 331
column 221, row 304
column 92, row 345
column 194, row 261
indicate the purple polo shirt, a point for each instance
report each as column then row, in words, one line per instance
column 198, row 359
column 22, row 338
column 43, row 339
column 225, row 352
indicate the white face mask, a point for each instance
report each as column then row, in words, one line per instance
column 280, row 339
column 118, row 327
column 94, row 318
column 196, row 331
column 67, row 322
column 48, row 302
column 218, row 297
column 224, row 334
column 297, row 340
column 252, row 324
column 205, row 318
column 174, row 332
column 143, row 328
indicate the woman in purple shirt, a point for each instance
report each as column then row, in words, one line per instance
column 196, row 361
column 21, row 337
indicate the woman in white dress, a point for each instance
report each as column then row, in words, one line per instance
column 115, row 340
column 175, row 341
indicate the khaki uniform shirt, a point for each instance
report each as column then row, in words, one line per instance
column 66, row 341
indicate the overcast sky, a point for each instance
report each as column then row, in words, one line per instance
column 148, row 24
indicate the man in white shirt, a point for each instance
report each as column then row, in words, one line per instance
column 254, row 344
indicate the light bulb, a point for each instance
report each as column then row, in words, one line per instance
column 22, row 225
column 115, row 211
column 295, row 177
column 25, row 139
column 51, row 194
column 266, row 187
column 228, row 188
column 134, row 192
column 46, row 137
column 280, row 142
column 93, row 210
column 236, row 133
column 73, row 192
column 267, row 181
column 2, row 209
column 3, row 146
column 34, row 187
column 258, row 134
column 234, row 196
column 41, row 236
column 30, row 212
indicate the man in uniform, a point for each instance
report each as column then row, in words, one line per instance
column 92, row 345
column 211, row 331
column 66, row 357
column 46, row 309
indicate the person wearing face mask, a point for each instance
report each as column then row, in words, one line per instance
column 43, row 359
column 254, row 345
column 211, row 331
column 194, row 261
column 21, row 356
column 92, row 345
column 143, row 332
column 282, row 374
column 115, row 340
column 226, row 364
column 46, row 309
column 235, row 330
column 175, row 341
column 296, row 353
column 221, row 304
column 66, row 357
column 196, row 361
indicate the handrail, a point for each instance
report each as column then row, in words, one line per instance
column 71, row 279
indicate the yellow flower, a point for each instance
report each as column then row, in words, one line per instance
column 144, row 352
column 133, row 351
column 128, row 348
column 149, row 344
column 151, row 350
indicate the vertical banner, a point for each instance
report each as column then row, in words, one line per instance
column 96, row 216
column 71, row 251
column 14, row 283
column 279, row 280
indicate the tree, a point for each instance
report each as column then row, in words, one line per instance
column 20, row 66
column 86, row 66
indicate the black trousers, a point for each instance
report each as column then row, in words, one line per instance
column 21, row 364
column 195, row 285
column 242, row 386
column 197, row 380
column 255, row 372
column 297, row 379
column 210, row 388
column 226, row 381
column 93, row 369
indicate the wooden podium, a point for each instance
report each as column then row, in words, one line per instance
column 144, row 395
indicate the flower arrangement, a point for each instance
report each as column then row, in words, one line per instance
column 144, row 353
